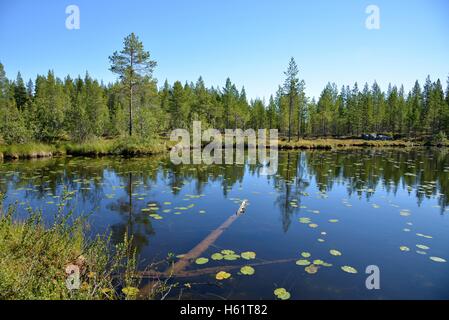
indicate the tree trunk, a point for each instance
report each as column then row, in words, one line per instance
column 290, row 108
column 131, row 111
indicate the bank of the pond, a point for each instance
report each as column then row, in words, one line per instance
column 105, row 147
column 36, row 260
column 330, row 144
column 101, row 147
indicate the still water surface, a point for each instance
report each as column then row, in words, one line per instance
column 365, row 204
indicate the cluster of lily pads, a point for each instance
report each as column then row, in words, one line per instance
column 311, row 267
column 230, row 255
column 422, row 249
column 153, row 207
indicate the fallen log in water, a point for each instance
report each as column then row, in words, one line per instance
column 179, row 266
column 206, row 271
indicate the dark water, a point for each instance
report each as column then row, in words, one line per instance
column 382, row 200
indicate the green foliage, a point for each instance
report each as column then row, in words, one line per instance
column 34, row 258
column 440, row 139
column 85, row 111
column 134, row 66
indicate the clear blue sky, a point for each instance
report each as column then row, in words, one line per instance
column 249, row 41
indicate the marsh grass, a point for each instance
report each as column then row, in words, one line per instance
column 27, row 150
column 34, row 257
column 342, row 143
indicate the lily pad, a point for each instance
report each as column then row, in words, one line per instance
column 349, row 269
column 201, row 260
column 313, row 225
column 303, row 262
column 248, row 255
column 404, row 248
column 222, row 275
column 305, row 254
column 304, row 220
column 312, row 269
column 335, row 252
column 423, row 247
column 231, row 257
column 247, row 270
column 282, row 294
column 437, row 259
column 217, row 256
column 226, row 251
column 318, row 262
column 333, row 220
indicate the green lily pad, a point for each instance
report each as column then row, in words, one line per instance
column 217, row 256
column 282, row 294
column 248, row 255
column 226, row 251
column 349, row 269
column 335, row 252
column 423, row 247
column 222, row 275
column 303, row 262
column 312, row 269
column 313, row 225
column 404, row 248
column 305, row 254
column 333, row 220
column 437, row 259
column 231, row 257
column 247, row 270
column 318, row 262
column 424, row 236
column 304, row 220
column 201, row 260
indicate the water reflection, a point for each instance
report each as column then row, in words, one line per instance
column 124, row 194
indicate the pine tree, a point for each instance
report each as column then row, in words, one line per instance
column 132, row 64
column 272, row 114
column 291, row 90
column 179, row 107
column 20, row 92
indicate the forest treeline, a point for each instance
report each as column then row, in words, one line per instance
column 50, row 109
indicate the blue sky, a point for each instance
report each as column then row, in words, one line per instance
column 249, row 41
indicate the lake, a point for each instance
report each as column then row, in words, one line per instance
column 332, row 209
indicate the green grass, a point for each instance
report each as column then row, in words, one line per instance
column 94, row 147
column 342, row 143
column 28, row 150
column 140, row 147
column 121, row 146
column 34, row 258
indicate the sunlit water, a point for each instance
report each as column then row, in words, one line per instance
column 383, row 200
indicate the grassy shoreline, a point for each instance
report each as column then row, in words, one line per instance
column 99, row 147
column 37, row 259
column 108, row 147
